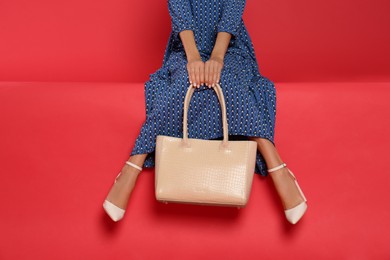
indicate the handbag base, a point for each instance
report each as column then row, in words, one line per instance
column 202, row 203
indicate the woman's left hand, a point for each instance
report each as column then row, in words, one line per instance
column 212, row 70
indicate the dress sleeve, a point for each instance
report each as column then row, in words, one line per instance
column 232, row 12
column 181, row 15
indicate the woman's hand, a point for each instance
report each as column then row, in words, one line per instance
column 213, row 68
column 195, row 68
column 209, row 72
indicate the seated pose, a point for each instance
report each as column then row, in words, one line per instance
column 209, row 44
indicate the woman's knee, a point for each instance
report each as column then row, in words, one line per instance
column 259, row 139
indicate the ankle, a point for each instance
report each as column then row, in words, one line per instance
column 278, row 174
column 131, row 170
column 276, row 168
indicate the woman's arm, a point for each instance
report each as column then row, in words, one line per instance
column 181, row 16
column 227, row 28
column 195, row 65
column 183, row 26
column 232, row 12
column 214, row 65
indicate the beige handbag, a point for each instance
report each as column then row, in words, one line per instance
column 204, row 172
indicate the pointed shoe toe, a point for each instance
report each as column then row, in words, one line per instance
column 294, row 214
column 113, row 211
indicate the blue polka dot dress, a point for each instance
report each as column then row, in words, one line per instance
column 250, row 97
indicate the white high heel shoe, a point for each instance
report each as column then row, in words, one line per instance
column 115, row 212
column 294, row 214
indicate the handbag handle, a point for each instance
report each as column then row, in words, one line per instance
column 218, row 90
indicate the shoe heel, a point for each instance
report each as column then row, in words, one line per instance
column 116, row 178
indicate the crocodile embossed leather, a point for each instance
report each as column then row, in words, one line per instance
column 204, row 172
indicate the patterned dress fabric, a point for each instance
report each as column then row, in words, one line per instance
column 250, row 97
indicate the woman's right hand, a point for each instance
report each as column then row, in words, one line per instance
column 195, row 68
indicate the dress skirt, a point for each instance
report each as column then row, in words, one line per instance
column 250, row 107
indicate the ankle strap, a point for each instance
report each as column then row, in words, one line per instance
column 134, row 165
column 277, row 167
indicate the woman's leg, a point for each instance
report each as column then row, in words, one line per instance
column 283, row 181
column 121, row 190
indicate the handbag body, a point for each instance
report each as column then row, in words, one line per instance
column 204, row 172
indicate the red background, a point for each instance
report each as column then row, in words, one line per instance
column 62, row 145
column 62, row 142
column 125, row 40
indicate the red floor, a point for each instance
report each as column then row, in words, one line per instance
column 62, row 145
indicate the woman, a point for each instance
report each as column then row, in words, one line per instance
column 209, row 44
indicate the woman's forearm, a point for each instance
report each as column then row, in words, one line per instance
column 214, row 65
column 221, row 45
column 188, row 39
column 195, row 65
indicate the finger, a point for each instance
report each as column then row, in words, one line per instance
column 211, row 71
column 219, row 75
column 206, row 72
column 202, row 74
column 193, row 76
column 197, row 75
column 189, row 75
column 215, row 73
